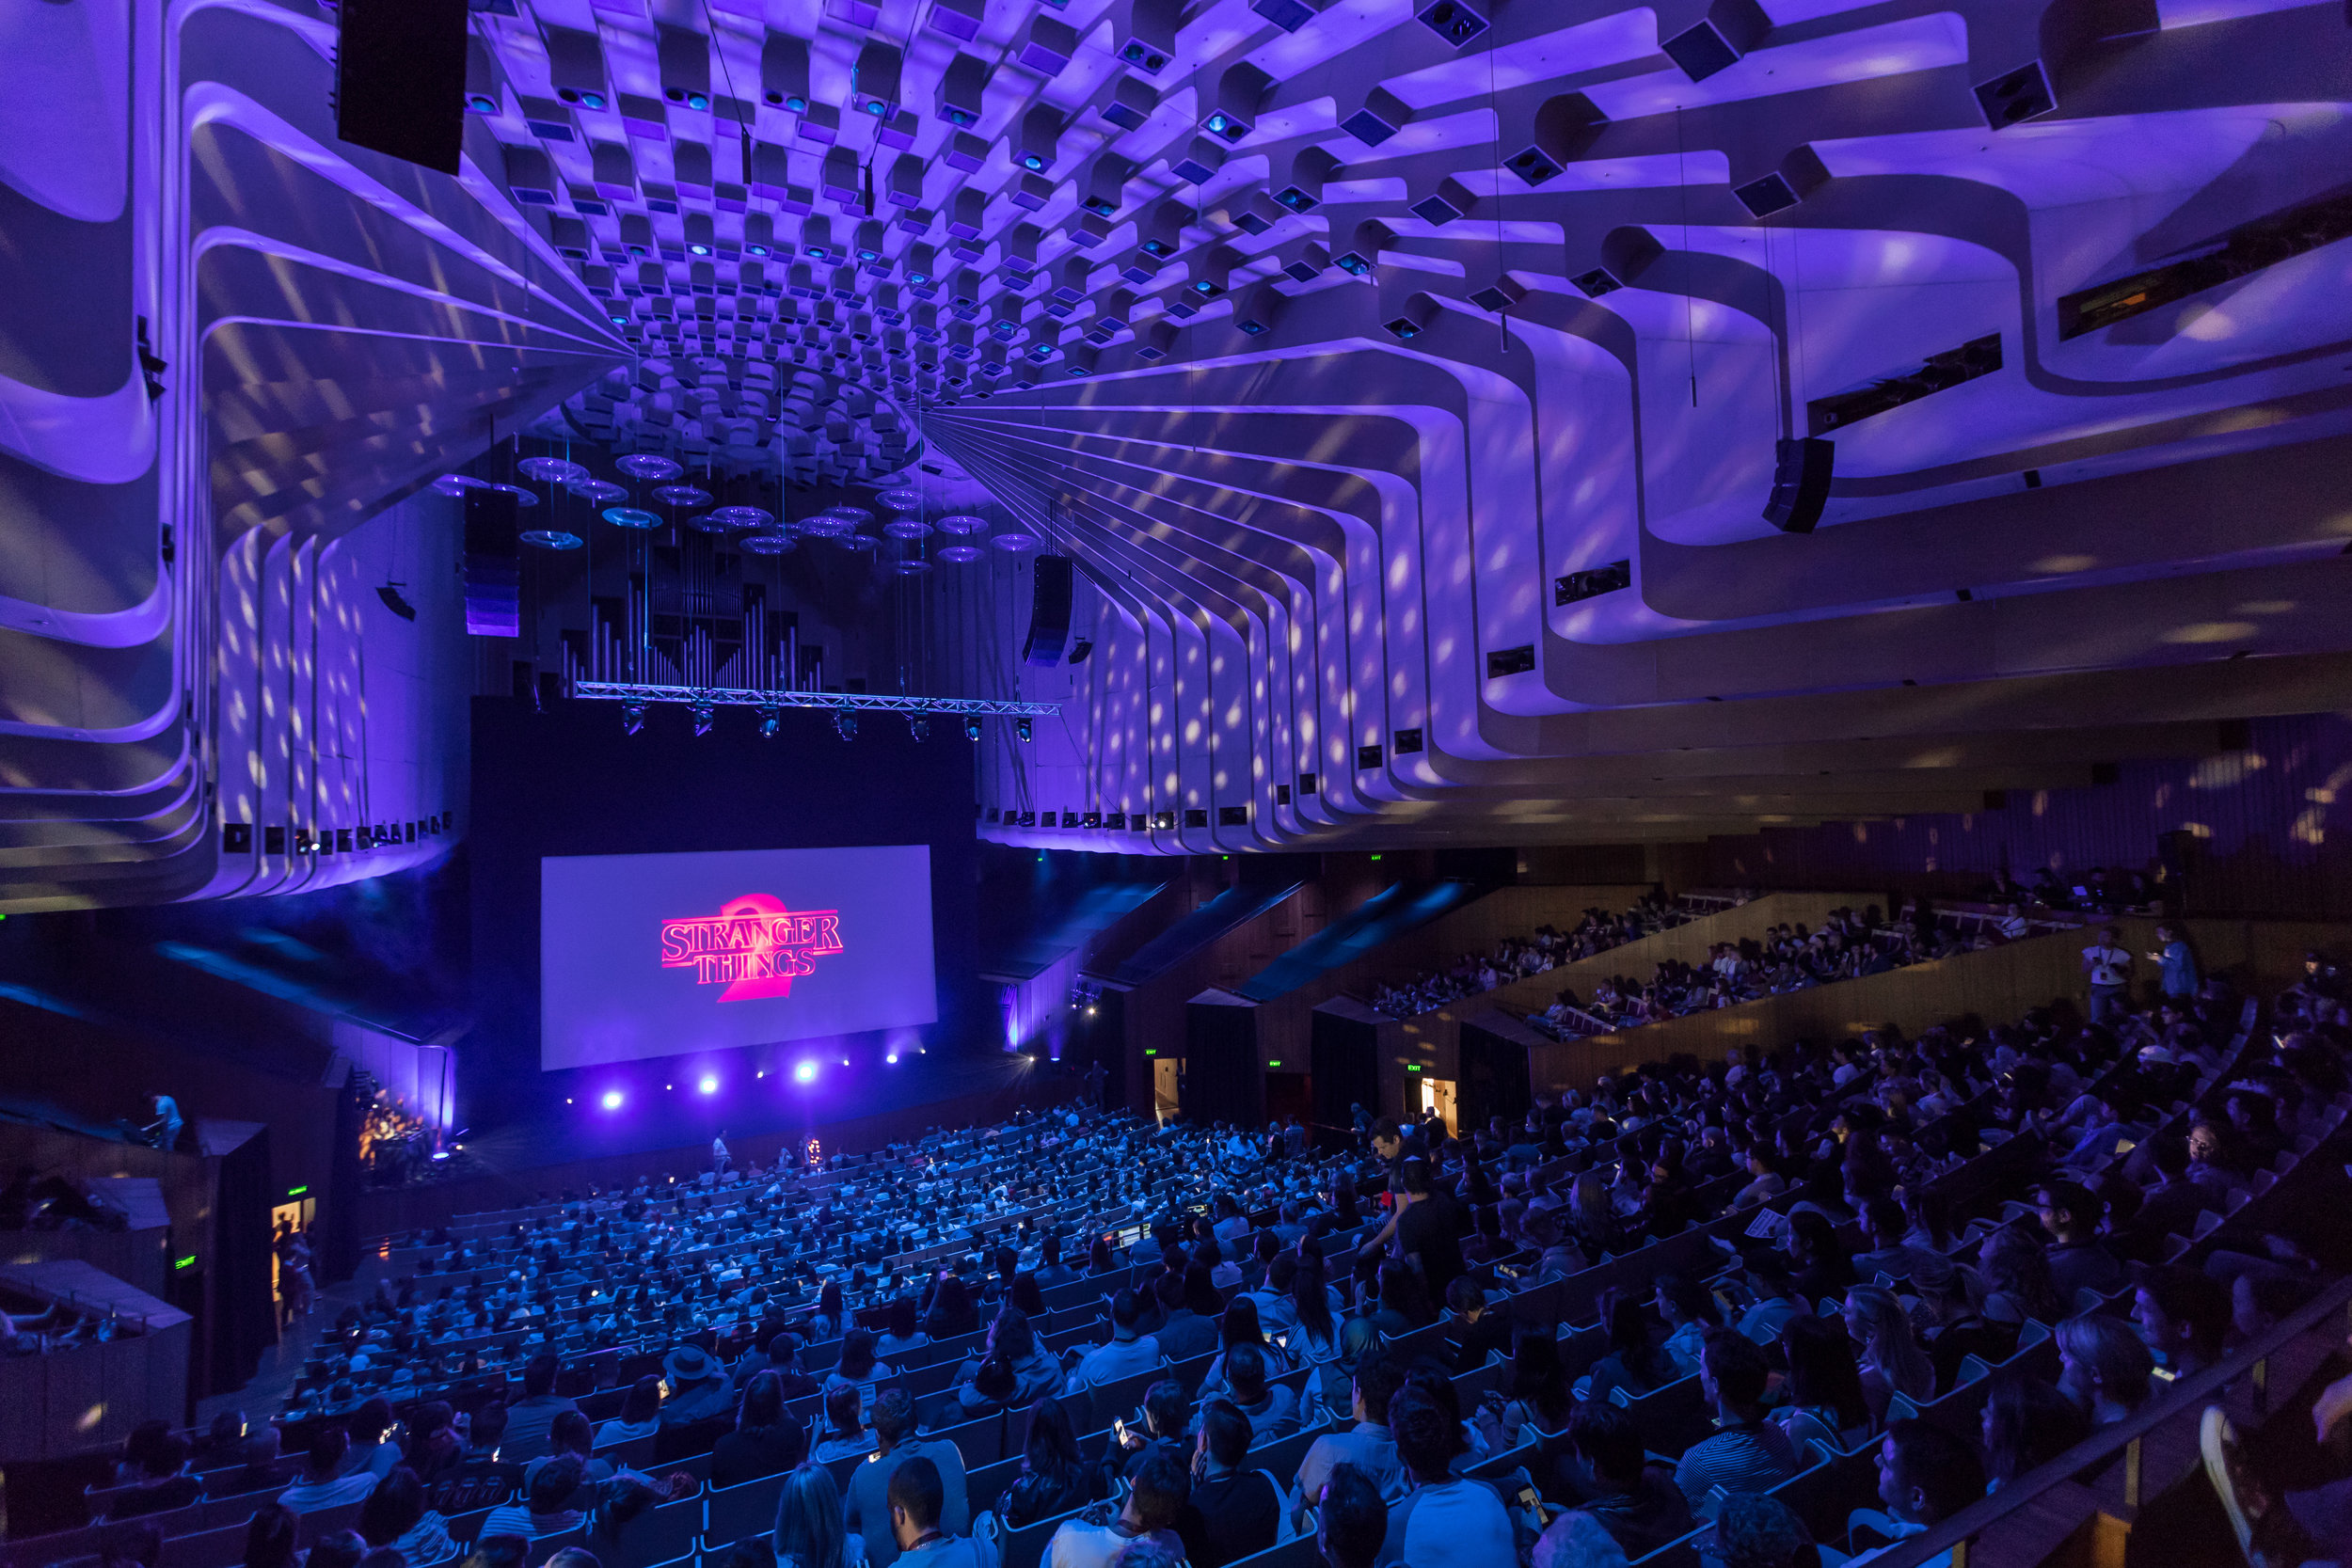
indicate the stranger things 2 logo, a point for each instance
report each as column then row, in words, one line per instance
column 754, row 945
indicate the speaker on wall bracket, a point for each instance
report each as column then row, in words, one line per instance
column 1050, row 587
column 1800, row 475
column 400, row 79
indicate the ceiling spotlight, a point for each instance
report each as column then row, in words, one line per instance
column 805, row 1072
column 612, row 1099
column 1023, row 728
column 845, row 723
column 702, row 718
column 771, row 719
column 709, row 1084
column 892, row 1060
column 632, row 718
column 972, row 728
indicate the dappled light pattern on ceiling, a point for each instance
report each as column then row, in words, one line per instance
column 231, row 350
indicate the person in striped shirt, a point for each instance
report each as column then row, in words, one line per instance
column 1748, row 1453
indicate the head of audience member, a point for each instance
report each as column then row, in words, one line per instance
column 345, row 1548
column 1166, row 1405
column 329, row 1442
column 554, row 1482
column 2026, row 1424
column 2259, row 1304
column 1426, row 1438
column 270, row 1536
column 857, row 1352
column 1245, row 1373
column 1156, row 1494
column 810, row 1525
column 1225, row 1434
column 2070, row 1210
column 539, row 1375
column 571, row 1432
column 1754, row 1531
column 1822, row 1373
column 2184, row 1315
column 1606, row 1446
column 1926, row 1475
column 642, row 1402
column 1374, row 1386
column 488, row 1428
column 1352, row 1520
column 845, row 1410
column 893, row 1418
column 2104, row 1366
column 1732, row 1374
column 394, row 1509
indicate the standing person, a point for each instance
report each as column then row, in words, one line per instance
column 1429, row 1231
column 2110, row 971
column 720, row 1159
column 2176, row 964
column 164, row 1129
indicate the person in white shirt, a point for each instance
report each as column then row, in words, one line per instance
column 1097, row 1538
column 719, row 1160
column 1444, row 1521
column 1926, row 1475
column 1128, row 1353
column 2111, row 970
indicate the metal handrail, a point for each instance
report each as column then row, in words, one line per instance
column 856, row 702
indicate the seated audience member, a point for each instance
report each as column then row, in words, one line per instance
column 2026, row 1424
column 1776, row 1303
column 698, row 1390
column 2079, row 1260
column 163, row 1482
column 1755, row 1531
column 322, row 1485
column 2184, row 1315
column 1239, row 1509
column 2104, row 1366
column 1634, row 1362
column 1351, row 1519
column 1167, row 1430
column 529, row 1419
column 263, row 1469
column 1639, row 1504
column 1128, row 1353
column 639, row 1416
column 1442, row 1521
column 845, row 1426
column 1098, row 1537
column 1823, row 1383
column 346, row 1549
column 1748, row 1453
column 270, row 1537
column 1926, row 1475
column 765, row 1442
column 546, row 1507
column 1891, row 1361
column 810, row 1530
column 1479, row 1332
column 394, row 1515
column 1035, row 1372
column 866, row 1503
column 372, row 1445
column 1271, row 1407
column 1368, row 1446
column 1054, row 1477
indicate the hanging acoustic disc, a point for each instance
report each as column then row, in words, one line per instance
column 962, row 522
column 1014, row 539
column 763, row 544
column 598, row 492
column 552, row 470
column 681, row 495
column 905, row 528
column 902, row 500
column 824, row 524
column 648, row 465
column 854, row 515
column 709, row 522
column 858, row 541
column 522, row 497
column 631, row 516
column 455, row 484
column 909, row 568
column 743, row 516
column 551, row 539
column 960, row 555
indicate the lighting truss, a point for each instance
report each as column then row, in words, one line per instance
column 859, row 702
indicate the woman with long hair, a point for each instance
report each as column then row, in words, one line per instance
column 641, row 1412
column 1536, row 1391
column 1315, row 1336
column 1054, row 1477
column 1889, row 1356
column 1239, row 1326
column 2104, row 1366
column 2026, row 1424
column 1592, row 1218
column 832, row 1320
column 905, row 1332
column 2016, row 1273
column 951, row 1310
column 1825, row 1399
column 811, row 1530
column 1820, row 1264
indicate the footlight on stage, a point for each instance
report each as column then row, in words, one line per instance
column 709, row 1084
column 805, row 1072
column 612, row 1099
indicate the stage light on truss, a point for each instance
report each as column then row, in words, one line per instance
column 1025, row 729
column 918, row 726
column 845, row 723
column 709, row 1084
column 702, row 718
column 771, row 719
column 632, row 718
column 972, row 729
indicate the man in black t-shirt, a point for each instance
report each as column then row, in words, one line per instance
column 1429, row 1232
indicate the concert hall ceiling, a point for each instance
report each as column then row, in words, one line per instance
column 1407, row 380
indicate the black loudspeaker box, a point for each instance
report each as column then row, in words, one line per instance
column 400, row 79
column 1049, row 612
column 1801, row 470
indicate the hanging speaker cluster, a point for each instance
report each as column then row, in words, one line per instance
column 1049, row 611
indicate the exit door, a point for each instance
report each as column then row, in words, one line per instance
column 1437, row 1096
column 1163, row 1092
